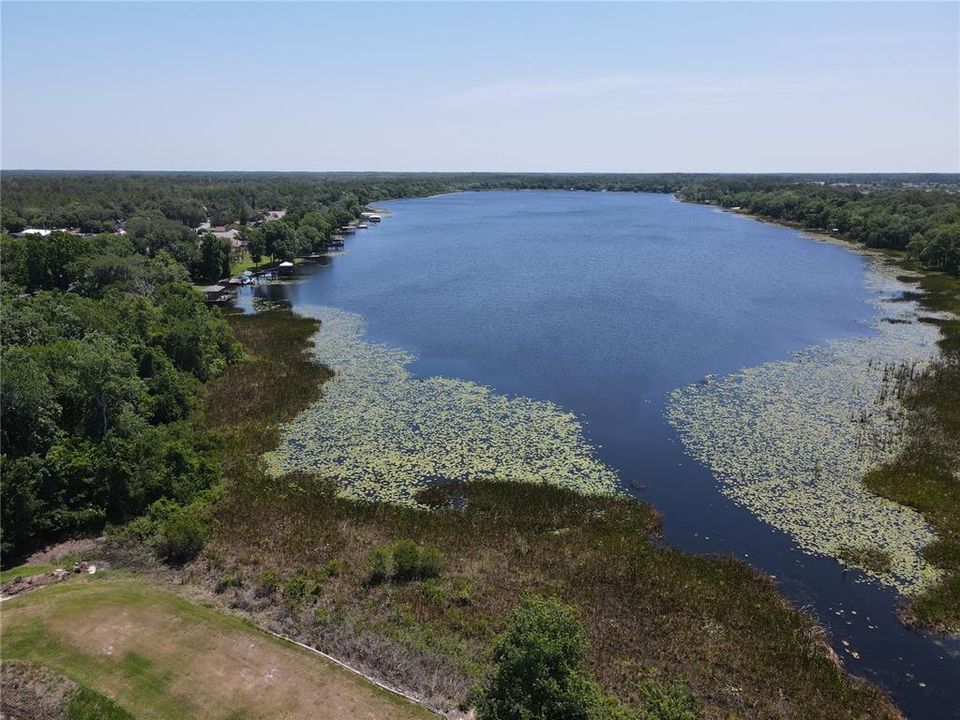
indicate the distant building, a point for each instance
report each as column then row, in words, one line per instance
column 42, row 232
column 214, row 294
column 231, row 236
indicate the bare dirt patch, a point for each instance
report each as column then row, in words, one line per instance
column 30, row 691
column 151, row 650
column 69, row 548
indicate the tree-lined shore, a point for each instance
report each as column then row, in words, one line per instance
column 131, row 407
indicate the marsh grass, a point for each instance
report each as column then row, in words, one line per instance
column 926, row 473
column 868, row 558
column 712, row 627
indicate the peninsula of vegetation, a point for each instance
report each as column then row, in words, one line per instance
column 134, row 408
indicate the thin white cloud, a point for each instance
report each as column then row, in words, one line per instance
column 665, row 85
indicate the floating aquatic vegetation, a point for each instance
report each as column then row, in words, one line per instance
column 791, row 441
column 261, row 304
column 385, row 434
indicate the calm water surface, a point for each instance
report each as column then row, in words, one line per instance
column 605, row 302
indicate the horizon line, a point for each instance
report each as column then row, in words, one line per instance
column 484, row 172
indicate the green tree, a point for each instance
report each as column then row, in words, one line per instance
column 539, row 669
column 12, row 221
column 30, row 409
column 214, row 252
column 280, row 240
column 256, row 246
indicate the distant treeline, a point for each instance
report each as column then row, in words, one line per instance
column 913, row 212
column 105, row 346
column 924, row 220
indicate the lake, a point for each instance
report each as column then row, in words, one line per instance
column 634, row 312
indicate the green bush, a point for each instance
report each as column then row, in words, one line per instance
column 380, row 565
column 401, row 562
column 431, row 561
column 267, row 582
column 666, row 702
column 302, row 585
column 406, row 560
column 181, row 535
column 461, row 592
column 295, row 589
column 539, row 669
column 320, row 617
column 143, row 528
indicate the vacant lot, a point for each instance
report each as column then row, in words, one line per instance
column 160, row 656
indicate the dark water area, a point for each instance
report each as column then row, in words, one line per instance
column 605, row 302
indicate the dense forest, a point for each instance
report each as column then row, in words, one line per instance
column 923, row 221
column 106, row 346
column 104, row 354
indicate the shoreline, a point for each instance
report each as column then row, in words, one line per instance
column 939, row 295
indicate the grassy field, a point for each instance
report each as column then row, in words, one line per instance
column 295, row 556
column 926, row 474
column 244, row 263
column 157, row 655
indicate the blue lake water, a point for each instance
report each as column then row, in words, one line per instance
column 605, row 302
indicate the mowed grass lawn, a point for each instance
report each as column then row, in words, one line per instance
column 160, row 656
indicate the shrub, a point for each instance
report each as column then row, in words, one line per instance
column 431, row 560
column 539, row 669
column 401, row 562
column 666, row 702
column 335, row 568
column 461, row 592
column 267, row 582
column 181, row 536
column 232, row 579
column 142, row 528
column 295, row 589
column 302, row 585
column 406, row 560
column 379, row 566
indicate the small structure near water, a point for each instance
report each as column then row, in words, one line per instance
column 216, row 294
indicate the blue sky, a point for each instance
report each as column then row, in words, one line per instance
column 638, row 87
